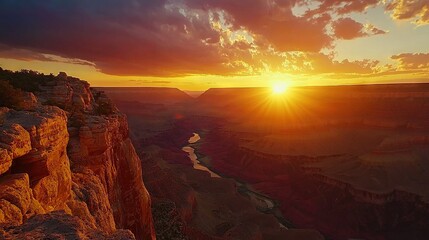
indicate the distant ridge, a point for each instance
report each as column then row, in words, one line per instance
column 163, row 95
column 194, row 94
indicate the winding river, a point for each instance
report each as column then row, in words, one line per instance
column 262, row 203
column 193, row 157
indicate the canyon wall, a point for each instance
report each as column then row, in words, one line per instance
column 66, row 160
column 309, row 189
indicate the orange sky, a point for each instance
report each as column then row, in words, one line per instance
column 199, row 44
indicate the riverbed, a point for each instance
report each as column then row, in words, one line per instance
column 197, row 164
column 262, row 203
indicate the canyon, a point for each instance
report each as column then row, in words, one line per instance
column 348, row 161
column 344, row 162
column 203, row 206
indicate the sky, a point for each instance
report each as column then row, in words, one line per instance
column 201, row 44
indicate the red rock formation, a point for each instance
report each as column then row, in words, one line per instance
column 16, row 141
column 15, row 198
column 38, row 148
column 59, row 225
column 103, row 147
column 77, row 159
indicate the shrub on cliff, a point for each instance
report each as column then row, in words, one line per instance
column 9, row 96
column 27, row 80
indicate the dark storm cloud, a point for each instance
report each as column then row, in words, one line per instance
column 121, row 37
column 165, row 38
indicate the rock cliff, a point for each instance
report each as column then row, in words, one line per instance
column 68, row 167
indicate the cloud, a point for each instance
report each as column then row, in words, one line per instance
column 178, row 37
column 149, row 81
column 347, row 28
column 325, row 64
column 417, row 10
column 273, row 22
column 21, row 54
column 411, row 66
column 126, row 37
column 412, row 61
column 28, row 55
column 318, row 63
column 339, row 7
column 371, row 29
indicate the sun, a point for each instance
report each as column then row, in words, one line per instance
column 279, row 88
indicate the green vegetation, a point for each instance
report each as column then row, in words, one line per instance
column 26, row 80
column 10, row 96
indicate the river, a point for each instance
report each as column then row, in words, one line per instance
column 262, row 203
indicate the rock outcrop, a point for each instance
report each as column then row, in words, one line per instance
column 60, row 225
column 68, row 156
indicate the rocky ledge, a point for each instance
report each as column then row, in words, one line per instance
column 68, row 168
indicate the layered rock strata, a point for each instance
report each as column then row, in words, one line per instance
column 67, row 161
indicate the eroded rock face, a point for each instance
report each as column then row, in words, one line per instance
column 87, row 188
column 15, row 198
column 37, row 143
column 60, row 225
column 103, row 147
column 68, row 93
column 74, row 162
column 14, row 142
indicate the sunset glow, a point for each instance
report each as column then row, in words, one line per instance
column 214, row 119
column 280, row 88
column 197, row 45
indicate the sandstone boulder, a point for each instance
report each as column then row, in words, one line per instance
column 14, row 142
column 15, row 198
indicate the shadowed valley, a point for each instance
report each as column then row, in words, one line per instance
column 347, row 161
